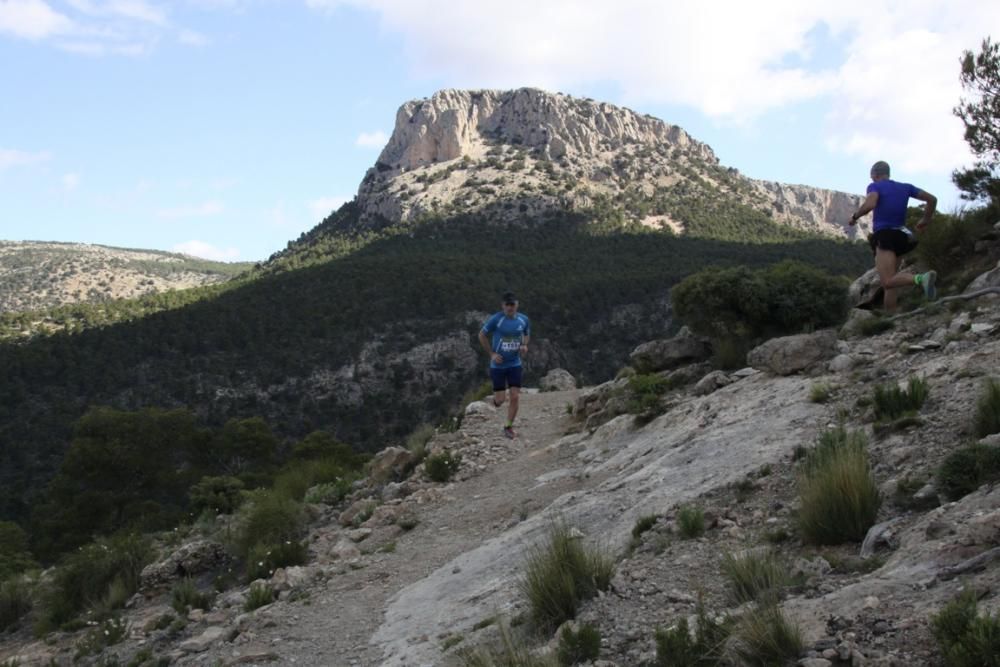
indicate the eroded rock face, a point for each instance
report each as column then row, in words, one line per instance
column 658, row 355
column 558, row 379
column 791, row 354
column 191, row 559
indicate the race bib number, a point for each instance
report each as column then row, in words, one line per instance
column 510, row 345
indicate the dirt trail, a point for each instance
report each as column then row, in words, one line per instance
column 334, row 626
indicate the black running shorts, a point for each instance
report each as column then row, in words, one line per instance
column 894, row 240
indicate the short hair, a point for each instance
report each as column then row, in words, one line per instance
column 880, row 168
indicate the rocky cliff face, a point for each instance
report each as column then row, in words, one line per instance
column 521, row 152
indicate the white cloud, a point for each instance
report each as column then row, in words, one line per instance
column 322, row 207
column 10, row 157
column 192, row 38
column 376, row 139
column 137, row 10
column 71, row 181
column 890, row 89
column 202, row 210
column 32, row 19
column 207, row 251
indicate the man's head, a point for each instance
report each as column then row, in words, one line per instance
column 509, row 303
column 880, row 170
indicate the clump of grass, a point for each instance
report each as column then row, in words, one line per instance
column 645, row 391
column 268, row 519
column 755, row 576
column 258, row 596
column 839, row 497
column 777, row 536
column 15, row 602
column 330, row 493
column 185, row 595
column 765, row 637
column 485, row 623
column 580, row 646
column 441, row 467
column 820, row 392
column 561, row 575
column 417, row 441
column 451, row 642
column 677, row 647
column 744, row 488
column 988, row 409
column 967, row 639
column 891, row 402
column 967, row 468
column 510, row 651
column 691, row 522
column 644, row 524
column 906, row 490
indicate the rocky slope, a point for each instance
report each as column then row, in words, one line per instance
column 410, row 572
column 36, row 275
column 518, row 153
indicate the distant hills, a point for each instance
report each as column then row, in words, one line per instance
column 35, row 275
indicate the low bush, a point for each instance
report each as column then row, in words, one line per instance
column 988, row 409
column 690, row 522
column 263, row 559
column 765, row 637
column 839, row 497
column 583, row 645
column 967, row 468
column 330, row 493
column 561, row 575
column 15, row 557
column 755, row 576
column 15, row 602
column 875, row 326
column 268, row 518
column 298, row 476
column 417, row 441
column 644, row 391
column 103, row 573
column 108, row 633
column 967, row 639
column 820, row 392
column 440, row 467
column 510, row 651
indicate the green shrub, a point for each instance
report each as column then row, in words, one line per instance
column 15, row 602
column 677, row 647
column 15, row 557
column 643, row 524
column 988, row 409
column 264, row 559
column 765, row 637
column 562, row 574
column 966, row 639
column 891, row 402
column 440, row 467
column 730, row 353
column 580, row 646
column 185, row 595
column 85, row 578
column 298, row 476
column 644, row 391
column 839, row 497
column 967, row 468
column 945, row 240
column 221, row 495
column 754, row 576
column 268, row 518
column 258, row 596
column 691, row 522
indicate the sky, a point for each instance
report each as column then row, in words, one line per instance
column 226, row 128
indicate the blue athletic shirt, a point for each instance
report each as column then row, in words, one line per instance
column 508, row 332
column 890, row 211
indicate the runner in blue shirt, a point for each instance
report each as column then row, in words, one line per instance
column 890, row 238
column 504, row 337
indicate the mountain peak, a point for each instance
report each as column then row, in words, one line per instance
column 517, row 154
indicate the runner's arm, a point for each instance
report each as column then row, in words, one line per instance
column 929, row 209
column 524, row 344
column 866, row 207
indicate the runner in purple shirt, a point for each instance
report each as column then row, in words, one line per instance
column 890, row 238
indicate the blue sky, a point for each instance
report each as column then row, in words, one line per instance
column 226, row 128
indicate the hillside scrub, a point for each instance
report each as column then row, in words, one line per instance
column 740, row 302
